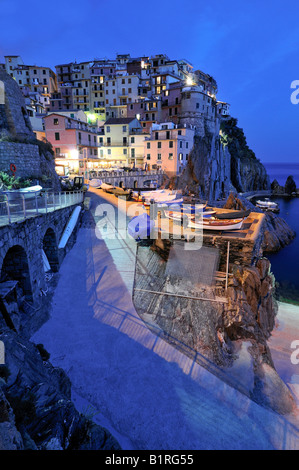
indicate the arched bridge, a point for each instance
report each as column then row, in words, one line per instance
column 24, row 242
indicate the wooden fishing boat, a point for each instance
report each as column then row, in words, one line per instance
column 232, row 214
column 219, row 225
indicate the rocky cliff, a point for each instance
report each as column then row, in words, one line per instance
column 36, row 411
column 275, row 233
column 216, row 332
column 221, row 161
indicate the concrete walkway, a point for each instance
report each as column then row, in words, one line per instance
column 148, row 393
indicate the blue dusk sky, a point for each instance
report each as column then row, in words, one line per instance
column 250, row 47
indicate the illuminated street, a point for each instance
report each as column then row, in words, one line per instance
column 146, row 392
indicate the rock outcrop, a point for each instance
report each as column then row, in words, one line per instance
column 36, row 411
column 213, row 328
column 207, row 174
column 276, row 233
column 221, row 161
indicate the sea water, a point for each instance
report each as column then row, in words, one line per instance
column 285, row 263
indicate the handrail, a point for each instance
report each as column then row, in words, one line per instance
column 20, row 208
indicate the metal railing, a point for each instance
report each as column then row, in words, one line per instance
column 17, row 208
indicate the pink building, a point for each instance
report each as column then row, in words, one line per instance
column 75, row 143
column 171, row 103
column 168, row 147
column 147, row 111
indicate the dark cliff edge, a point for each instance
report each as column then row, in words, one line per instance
column 36, row 411
column 220, row 162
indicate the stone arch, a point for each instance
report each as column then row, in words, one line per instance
column 120, row 184
column 135, row 184
column 50, row 248
column 15, row 267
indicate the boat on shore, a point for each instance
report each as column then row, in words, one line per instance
column 267, row 205
column 27, row 193
column 232, row 214
column 219, row 225
column 95, row 183
column 207, row 221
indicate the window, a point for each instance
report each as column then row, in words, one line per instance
column 179, row 132
column 124, row 128
column 133, row 153
column 57, row 136
column 130, row 90
column 180, row 156
column 159, row 156
column 197, row 105
column 129, row 80
column 187, row 145
column 167, row 135
column 132, row 140
column 125, row 151
column 109, row 151
column 170, row 157
column 187, row 156
column 170, row 144
column 148, row 157
column 108, row 140
column 181, row 144
column 108, row 128
column 159, row 145
column 55, row 121
column 57, row 151
column 148, row 145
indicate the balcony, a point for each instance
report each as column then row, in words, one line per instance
column 115, row 144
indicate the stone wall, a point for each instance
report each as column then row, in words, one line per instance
column 29, row 238
column 25, row 157
column 133, row 180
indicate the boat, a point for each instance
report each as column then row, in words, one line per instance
column 107, row 187
column 267, row 205
column 27, row 193
column 212, row 224
column 140, row 226
column 232, row 214
column 180, row 216
column 95, row 183
column 69, row 227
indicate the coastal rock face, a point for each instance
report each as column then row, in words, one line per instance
column 290, row 185
column 212, row 329
column 220, row 162
column 36, row 411
column 277, row 233
column 208, row 171
column 247, row 172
